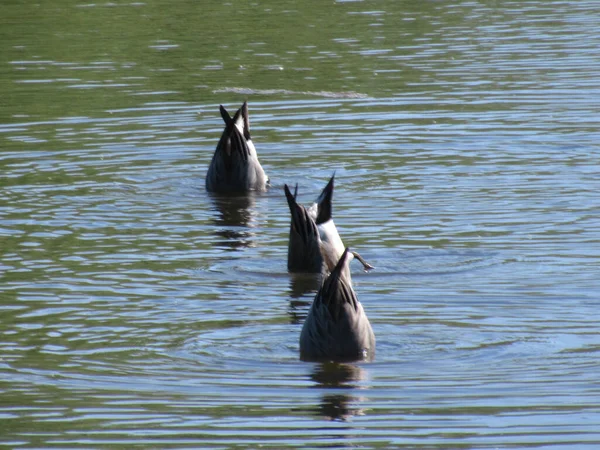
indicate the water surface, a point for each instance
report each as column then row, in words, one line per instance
column 138, row 311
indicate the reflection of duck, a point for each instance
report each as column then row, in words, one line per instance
column 234, row 166
column 334, row 374
column 301, row 285
column 337, row 327
column 337, row 406
column 234, row 212
column 298, row 310
column 313, row 234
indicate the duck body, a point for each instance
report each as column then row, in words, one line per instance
column 234, row 167
column 337, row 327
column 313, row 235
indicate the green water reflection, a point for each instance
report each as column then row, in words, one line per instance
column 72, row 58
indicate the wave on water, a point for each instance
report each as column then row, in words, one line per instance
column 326, row 94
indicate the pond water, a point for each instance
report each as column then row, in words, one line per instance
column 138, row 311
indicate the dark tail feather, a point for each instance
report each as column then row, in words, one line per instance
column 232, row 141
column 291, row 199
column 300, row 218
column 246, row 118
column 324, row 202
column 225, row 115
column 237, row 116
column 335, row 292
column 295, row 208
column 239, row 143
column 339, row 267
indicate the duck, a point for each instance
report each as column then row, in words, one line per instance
column 314, row 241
column 234, row 167
column 337, row 327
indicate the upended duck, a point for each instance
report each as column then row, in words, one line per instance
column 314, row 241
column 235, row 166
column 337, row 327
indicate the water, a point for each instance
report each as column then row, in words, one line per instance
column 138, row 311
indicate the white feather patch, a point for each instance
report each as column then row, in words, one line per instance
column 329, row 234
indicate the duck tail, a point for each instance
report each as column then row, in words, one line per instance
column 337, row 288
column 291, row 199
column 239, row 113
column 302, row 223
column 324, row 202
column 226, row 117
column 232, row 140
column 297, row 211
column 246, row 118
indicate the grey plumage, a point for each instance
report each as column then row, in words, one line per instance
column 337, row 327
column 234, row 166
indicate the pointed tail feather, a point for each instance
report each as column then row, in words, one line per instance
column 239, row 143
column 246, row 118
column 300, row 219
column 237, row 115
column 342, row 267
column 337, row 289
column 225, row 115
column 324, row 208
column 291, row 199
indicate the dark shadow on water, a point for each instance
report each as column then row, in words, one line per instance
column 235, row 213
column 343, row 376
column 298, row 310
column 338, row 407
column 303, row 288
